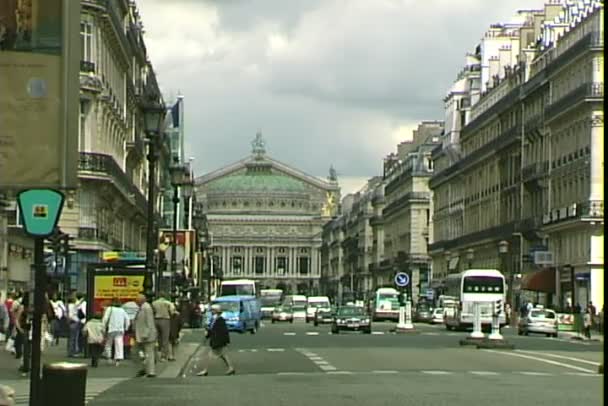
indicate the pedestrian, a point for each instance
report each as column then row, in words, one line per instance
column 163, row 310
column 176, row 327
column 145, row 335
column 587, row 322
column 4, row 320
column 75, row 328
column 94, row 332
column 116, row 323
column 219, row 338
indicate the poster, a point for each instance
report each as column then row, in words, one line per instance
column 38, row 131
column 106, row 288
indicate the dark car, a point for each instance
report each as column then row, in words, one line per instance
column 351, row 318
column 323, row 316
column 423, row 313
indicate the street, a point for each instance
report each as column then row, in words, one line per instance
column 299, row 364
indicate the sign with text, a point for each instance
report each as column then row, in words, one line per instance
column 106, row 288
column 39, row 85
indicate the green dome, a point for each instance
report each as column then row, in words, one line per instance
column 257, row 182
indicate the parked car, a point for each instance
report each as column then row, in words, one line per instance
column 540, row 321
column 282, row 313
column 353, row 318
column 437, row 316
column 323, row 316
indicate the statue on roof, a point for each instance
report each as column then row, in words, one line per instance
column 258, row 146
column 333, row 175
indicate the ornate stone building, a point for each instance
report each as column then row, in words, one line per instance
column 265, row 219
column 527, row 167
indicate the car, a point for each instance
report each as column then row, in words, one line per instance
column 437, row 317
column 282, row 313
column 323, row 316
column 351, row 318
column 539, row 321
column 423, row 314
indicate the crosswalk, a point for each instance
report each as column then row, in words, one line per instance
column 95, row 386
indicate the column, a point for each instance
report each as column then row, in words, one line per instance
column 269, row 265
column 597, row 158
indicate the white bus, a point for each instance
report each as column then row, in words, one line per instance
column 484, row 286
column 238, row 287
column 386, row 304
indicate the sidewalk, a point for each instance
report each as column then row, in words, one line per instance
column 595, row 336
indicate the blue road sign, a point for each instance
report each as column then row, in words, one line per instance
column 402, row 279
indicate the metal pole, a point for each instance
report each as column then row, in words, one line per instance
column 151, row 238
column 174, row 239
column 477, row 332
column 39, row 289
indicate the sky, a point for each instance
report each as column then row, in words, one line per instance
column 327, row 82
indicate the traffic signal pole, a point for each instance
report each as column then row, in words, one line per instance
column 495, row 335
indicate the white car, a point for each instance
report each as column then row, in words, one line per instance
column 437, row 316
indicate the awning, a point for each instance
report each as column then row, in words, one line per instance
column 453, row 263
column 539, row 281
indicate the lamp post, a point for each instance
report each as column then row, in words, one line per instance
column 470, row 256
column 154, row 116
column 179, row 179
column 503, row 251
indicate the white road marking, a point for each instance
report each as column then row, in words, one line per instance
column 483, row 373
column 315, row 358
column 328, row 367
column 384, row 372
column 292, row 373
column 437, row 372
column 339, row 372
column 430, row 334
column 532, row 373
column 546, row 361
column 275, row 349
column 583, row 361
column 289, row 334
column 581, row 374
column 312, row 333
column 377, row 333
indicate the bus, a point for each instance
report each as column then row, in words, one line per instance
column 238, row 287
column 484, row 286
column 386, row 304
column 269, row 299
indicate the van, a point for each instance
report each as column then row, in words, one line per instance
column 298, row 304
column 242, row 313
column 316, row 302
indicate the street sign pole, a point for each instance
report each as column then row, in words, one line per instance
column 40, row 210
column 402, row 280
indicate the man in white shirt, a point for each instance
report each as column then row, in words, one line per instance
column 116, row 321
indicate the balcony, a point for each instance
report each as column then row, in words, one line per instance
column 534, row 172
column 592, row 91
column 591, row 210
column 105, row 166
column 87, row 67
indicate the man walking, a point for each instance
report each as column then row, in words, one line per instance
column 219, row 339
column 163, row 310
column 145, row 335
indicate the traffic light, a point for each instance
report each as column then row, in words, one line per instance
column 498, row 307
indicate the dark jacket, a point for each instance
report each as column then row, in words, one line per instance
column 218, row 334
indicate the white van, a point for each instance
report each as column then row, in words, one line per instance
column 298, row 304
column 314, row 303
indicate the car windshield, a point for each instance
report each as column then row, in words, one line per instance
column 229, row 306
column 270, row 301
column 283, row 309
column 351, row 311
column 542, row 314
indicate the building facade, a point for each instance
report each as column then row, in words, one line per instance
column 108, row 210
column 527, row 165
column 265, row 220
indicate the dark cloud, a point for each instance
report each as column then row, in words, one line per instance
column 327, row 81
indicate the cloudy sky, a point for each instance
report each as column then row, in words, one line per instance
column 326, row 81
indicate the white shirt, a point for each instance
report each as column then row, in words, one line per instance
column 116, row 319
column 73, row 312
column 59, row 309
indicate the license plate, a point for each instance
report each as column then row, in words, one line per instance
column 353, row 325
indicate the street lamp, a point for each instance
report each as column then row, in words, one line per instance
column 180, row 178
column 154, row 116
column 470, row 256
column 503, row 251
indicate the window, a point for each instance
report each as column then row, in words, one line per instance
column 303, row 265
column 281, row 265
column 259, row 264
column 237, row 263
column 86, row 41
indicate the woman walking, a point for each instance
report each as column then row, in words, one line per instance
column 116, row 322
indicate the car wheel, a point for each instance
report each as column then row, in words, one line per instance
column 554, row 335
column 316, row 323
column 273, row 321
column 291, row 320
column 519, row 332
column 367, row 331
column 253, row 330
column 335, row 331
column 526, row 333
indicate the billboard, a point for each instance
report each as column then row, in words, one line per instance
column 39, row 93
column 107, row 284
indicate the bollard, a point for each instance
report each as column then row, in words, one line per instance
column 64, row 384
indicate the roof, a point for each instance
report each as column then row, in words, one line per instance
column 257, row 182
column 231, row 298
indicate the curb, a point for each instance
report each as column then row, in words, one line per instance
column 471, row 341
column 184, row 367
column 496, row 345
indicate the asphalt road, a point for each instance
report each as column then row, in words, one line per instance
column 299, row 364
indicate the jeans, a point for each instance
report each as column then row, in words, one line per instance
column 95, row 350
column 74, row 339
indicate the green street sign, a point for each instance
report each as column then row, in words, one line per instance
column 40, row 210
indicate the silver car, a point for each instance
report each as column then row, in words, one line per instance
column 540, row 321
